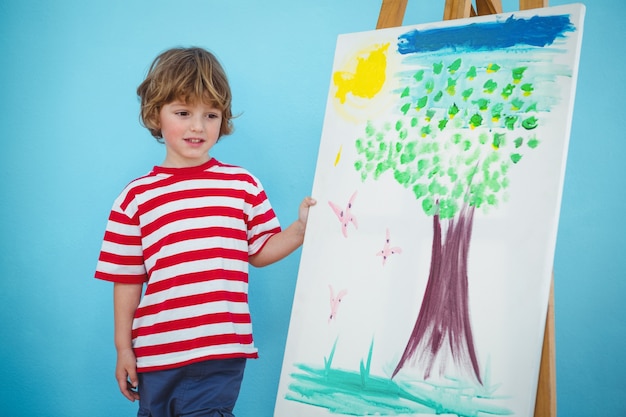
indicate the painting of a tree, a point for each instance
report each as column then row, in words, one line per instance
column 429, row 133
column 461, row 128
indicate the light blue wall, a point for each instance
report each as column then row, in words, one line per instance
column 71, row 140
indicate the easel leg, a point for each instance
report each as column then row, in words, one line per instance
column 545, row 405
column 391, row 13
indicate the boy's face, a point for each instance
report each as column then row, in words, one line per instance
column 189, row 132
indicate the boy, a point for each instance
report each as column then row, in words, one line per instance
column 188, row 230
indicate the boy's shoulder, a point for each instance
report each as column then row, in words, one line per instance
column 136, row 187
column 236, row 171
column 145, row 180
column 228, row 167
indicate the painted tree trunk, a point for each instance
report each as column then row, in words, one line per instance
column 443, row 330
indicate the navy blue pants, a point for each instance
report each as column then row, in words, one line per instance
column 203, row 389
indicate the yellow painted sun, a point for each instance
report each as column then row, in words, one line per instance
column 368, row 76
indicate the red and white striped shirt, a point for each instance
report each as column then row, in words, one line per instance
column 188, row 233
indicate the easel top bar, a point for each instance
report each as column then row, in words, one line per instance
column 392, row 11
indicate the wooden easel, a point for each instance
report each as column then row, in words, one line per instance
column 392, row 15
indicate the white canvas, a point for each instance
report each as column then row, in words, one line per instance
column 425, row 272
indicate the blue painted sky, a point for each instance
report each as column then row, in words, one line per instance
column 537, row 31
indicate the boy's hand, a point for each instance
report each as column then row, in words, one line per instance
column 126, row 374
column 303, row 212
column 283, row 243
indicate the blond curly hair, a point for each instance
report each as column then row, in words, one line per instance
column 191, row 75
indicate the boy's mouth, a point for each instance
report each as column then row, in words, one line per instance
column 194, row 140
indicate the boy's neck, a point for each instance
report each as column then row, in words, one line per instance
column 173, row 163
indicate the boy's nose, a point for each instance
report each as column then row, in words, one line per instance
column 196, row 125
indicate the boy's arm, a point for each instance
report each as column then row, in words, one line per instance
column 126, row 298
column 285, row 242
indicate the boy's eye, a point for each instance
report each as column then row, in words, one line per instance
column 212, row 116
column 182, row 113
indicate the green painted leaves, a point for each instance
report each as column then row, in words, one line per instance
column 461, row 125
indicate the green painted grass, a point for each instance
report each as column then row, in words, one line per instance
column 362, row 394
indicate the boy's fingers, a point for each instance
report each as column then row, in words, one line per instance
column 132, row 378
column 132, row 390
column 129, row 391
column 128, row 385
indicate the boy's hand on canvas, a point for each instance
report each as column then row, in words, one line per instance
column 126, row 374
column 303, row 212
